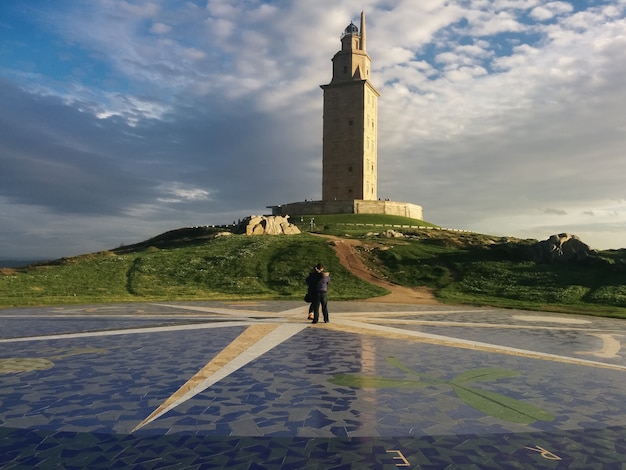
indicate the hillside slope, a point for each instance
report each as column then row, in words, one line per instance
column 403, row 265
column 349, row 258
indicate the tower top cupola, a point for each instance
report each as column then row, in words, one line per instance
column 349, row 151
column 352, row 61
column 351, row 29
column 352, row 39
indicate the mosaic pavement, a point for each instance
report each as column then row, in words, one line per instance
column 256, row 386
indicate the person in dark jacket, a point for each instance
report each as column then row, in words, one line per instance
column 318, row 281
column 310, row 293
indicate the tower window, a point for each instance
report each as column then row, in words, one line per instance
column 345, row 69
column 350, row 169
column 350, row 122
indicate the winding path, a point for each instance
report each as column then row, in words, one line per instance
column 347, row 254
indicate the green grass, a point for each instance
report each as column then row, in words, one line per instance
column 353, row 225
column 94, row 278
column 231, row 267
column 484, row 274
column 194, row 264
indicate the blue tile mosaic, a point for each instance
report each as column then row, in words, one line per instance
column 322, row 397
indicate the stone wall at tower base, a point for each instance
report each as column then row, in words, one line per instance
column 355, row 206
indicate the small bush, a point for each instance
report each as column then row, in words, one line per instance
column 609, row 295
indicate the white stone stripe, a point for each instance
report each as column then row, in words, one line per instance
column 295, row 311
column 132, row 331
column 491, row 325
column 376, row 313
column 128, row 316
column 451, row 341
column 220, row 310
column 232, row 311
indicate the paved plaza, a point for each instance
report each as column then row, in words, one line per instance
column 254, row 385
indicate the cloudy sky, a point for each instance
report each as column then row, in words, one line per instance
column 122, row 119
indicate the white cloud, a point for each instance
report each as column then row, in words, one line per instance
column 193, row 53
column 144, row 9
column 177, row 192
column 483, row 23
column 551, row 9
column 160, row 28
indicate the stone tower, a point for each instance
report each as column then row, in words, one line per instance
column 349, row 155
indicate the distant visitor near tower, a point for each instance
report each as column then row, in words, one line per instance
column 349, row 143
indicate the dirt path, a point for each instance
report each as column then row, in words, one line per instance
column 347, row 254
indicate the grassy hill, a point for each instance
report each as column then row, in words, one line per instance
column 199, row 264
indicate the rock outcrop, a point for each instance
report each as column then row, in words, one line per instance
column 386, row 234
column 561, row 247
column 267, row 225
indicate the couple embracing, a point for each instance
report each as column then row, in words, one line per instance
column 318, row 280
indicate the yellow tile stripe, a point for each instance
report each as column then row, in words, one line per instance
column 243, row 342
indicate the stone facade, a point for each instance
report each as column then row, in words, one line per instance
column 403, row 209
column 350, row 127
column 349, row 147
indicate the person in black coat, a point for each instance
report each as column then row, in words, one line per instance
column 310, row 293
column 318, row 281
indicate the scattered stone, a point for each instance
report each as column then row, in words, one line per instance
column 391, row 234
column 386, row 234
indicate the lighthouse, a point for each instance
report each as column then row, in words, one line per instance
column 350, row 123
column 350, row 140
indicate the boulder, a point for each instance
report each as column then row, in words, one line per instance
column 391, row 234
column 561, row 247
column 267, row 225
column 385, row 234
